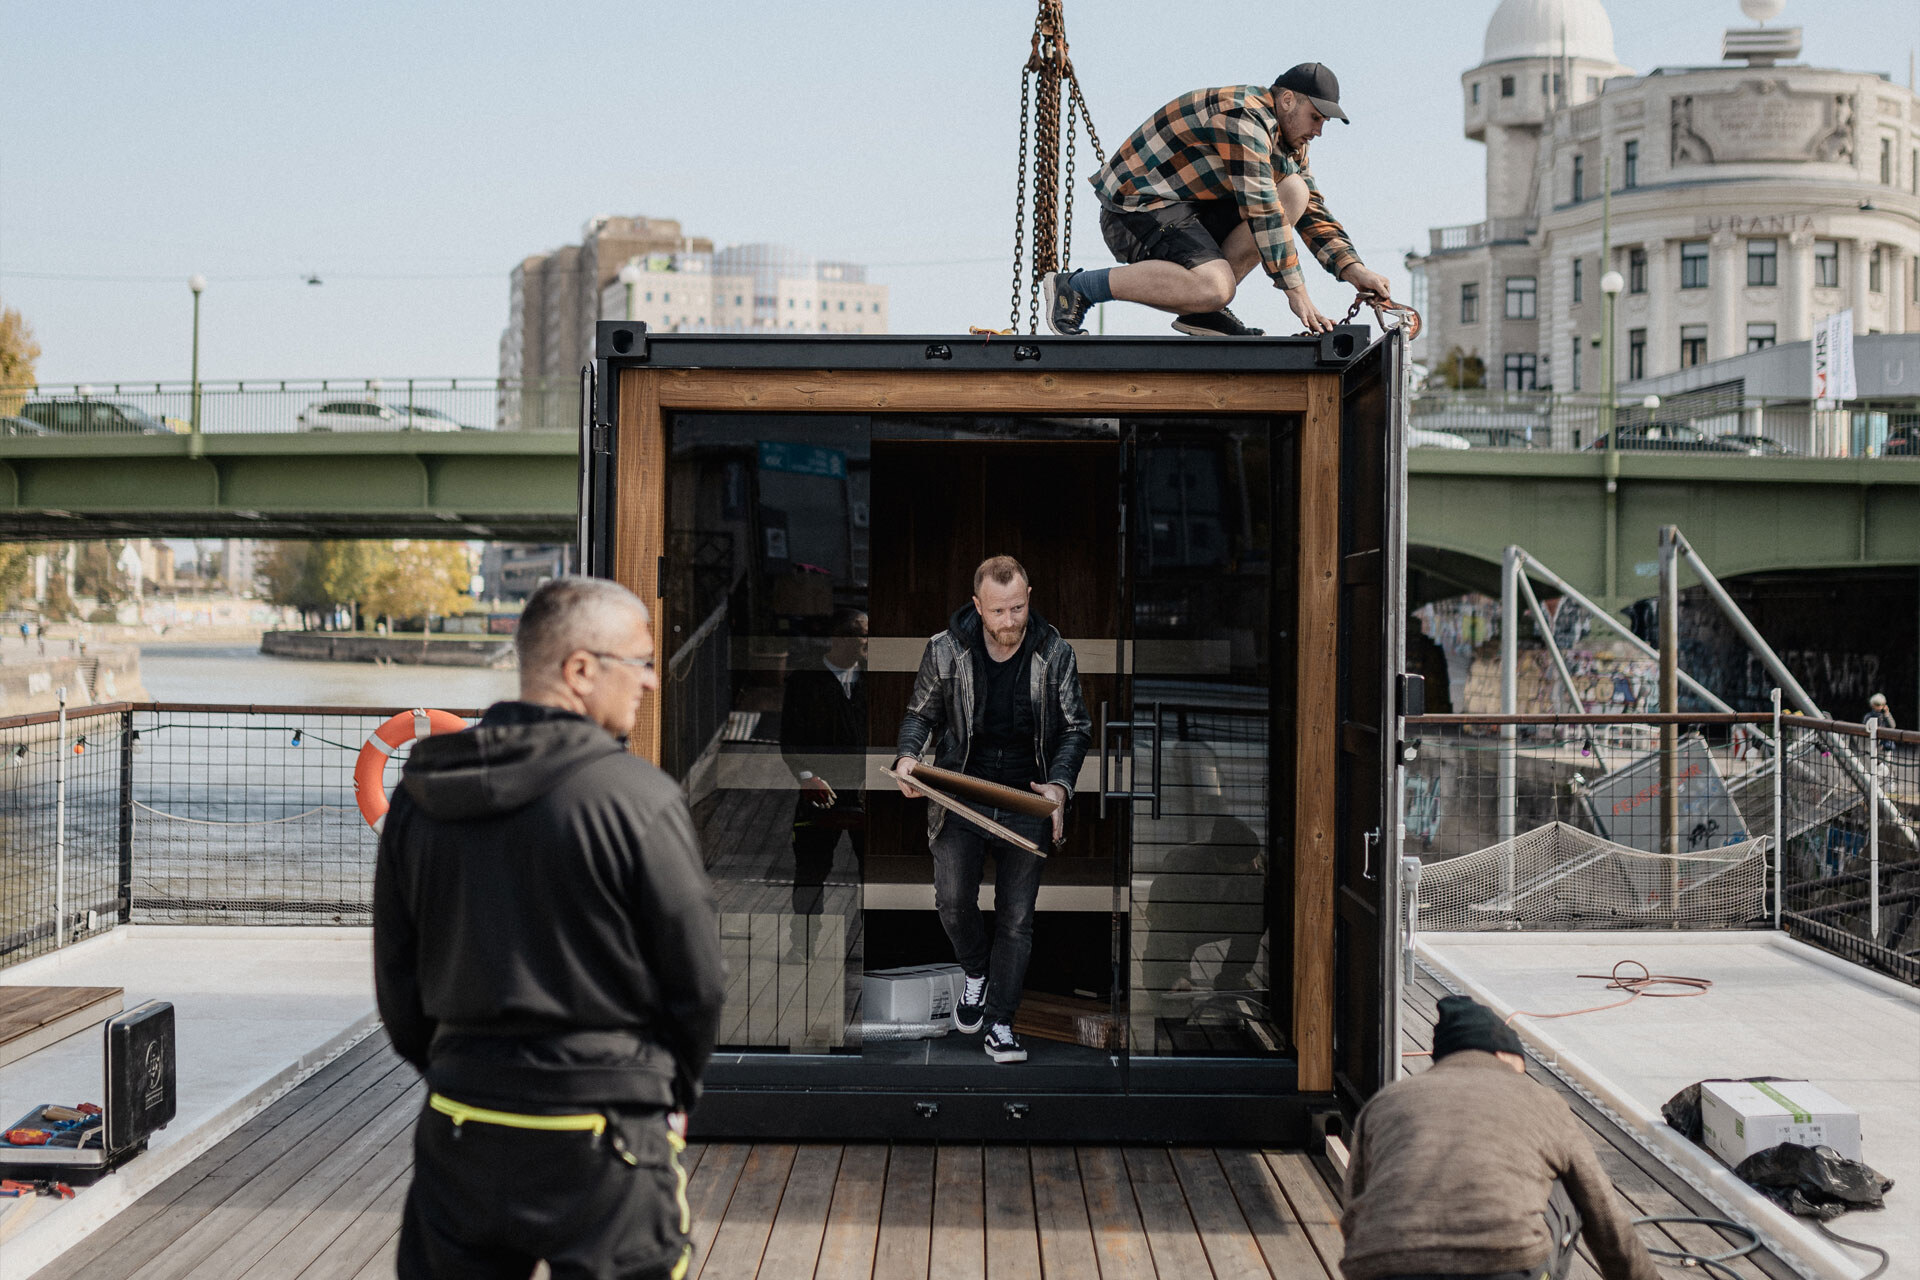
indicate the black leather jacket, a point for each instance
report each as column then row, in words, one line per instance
column 943, row 703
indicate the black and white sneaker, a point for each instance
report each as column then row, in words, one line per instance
column 1215, row 324
column 1066, row 305
column 971, row 1011
column 1002, row 1045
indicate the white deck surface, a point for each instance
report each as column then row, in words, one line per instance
column 1777, row 1008
column 256, row 1010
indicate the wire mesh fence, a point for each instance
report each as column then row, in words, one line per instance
column 168, row 813
column 1544, row 821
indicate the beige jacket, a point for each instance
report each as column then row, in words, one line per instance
column 1451, row 1170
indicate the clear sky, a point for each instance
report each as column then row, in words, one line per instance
column 411, row 153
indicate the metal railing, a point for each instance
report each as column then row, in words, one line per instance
column 272, row 405
column 1837, row 803
column 180, row 813
column 1473, row 234
column 1702, row 425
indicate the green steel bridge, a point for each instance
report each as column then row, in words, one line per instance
column 487, row 459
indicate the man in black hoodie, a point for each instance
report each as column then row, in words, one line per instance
column 546, row 953
column 1001, row 690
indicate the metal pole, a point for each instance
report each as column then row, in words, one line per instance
column 1779, row 844
column 1620, row 629
column 1553, row 646
column 127, row 737
column 1608, row 421
column 1873, row 832
column 60, row 834
column 1670, row 702
column 1509, row 697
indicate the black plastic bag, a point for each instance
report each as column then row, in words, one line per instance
column 1682, row 1110
column 1813, row 1182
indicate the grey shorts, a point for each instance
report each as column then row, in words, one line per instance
column 1188, row 234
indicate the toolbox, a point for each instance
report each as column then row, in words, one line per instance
column 79, row 1143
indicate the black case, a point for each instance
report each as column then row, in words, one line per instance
column 141, row 1093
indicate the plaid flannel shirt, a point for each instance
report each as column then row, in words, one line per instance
column 1219, row 144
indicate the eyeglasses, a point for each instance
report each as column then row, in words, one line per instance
column 643, row 664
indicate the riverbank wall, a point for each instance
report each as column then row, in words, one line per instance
column 349, row 646
column 104, row 673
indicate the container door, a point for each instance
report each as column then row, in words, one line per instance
column 1371, row 617
column 1188, row 753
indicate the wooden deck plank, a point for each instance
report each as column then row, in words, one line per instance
column 853, row 1223
column 317, row 1228
column 906, row 1215
column 708, row 1191
column 1060, row 1213
column 1013, row 1240
column 793, row 1247
column 1283, row 1241
column 1224, row 1231
column 381, row 1265
column 362, row 1239
column 742, row 1236
column 31, row 1018
column 1313, row 1205
column 256, row 1213
column 1172, row 1236
column 307, row 1105
column 958, row 1249
column 1119, row 1240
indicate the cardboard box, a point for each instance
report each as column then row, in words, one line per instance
column 914, row 994
column 1740, row 1117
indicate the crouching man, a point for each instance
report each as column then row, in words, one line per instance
column 1471, row 1171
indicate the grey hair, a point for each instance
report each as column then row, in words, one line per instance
column 572, row 613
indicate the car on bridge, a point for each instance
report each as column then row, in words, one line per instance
column 21, row 427
column 1423, row 438
column 1760, row 446
column 86, row 417
column 371, row 415
column 1668, row 436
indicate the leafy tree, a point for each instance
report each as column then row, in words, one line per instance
column 1461, row 370
column 96, row 571
column 421, row 579
column 16, row 573
column 18, row 351
column 313, row 577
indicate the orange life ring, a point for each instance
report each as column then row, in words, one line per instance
column 400, row 728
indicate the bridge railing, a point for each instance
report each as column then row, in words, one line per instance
column 178, row 813
column 271, row 405
column 1703, row 423
column 1834, row 807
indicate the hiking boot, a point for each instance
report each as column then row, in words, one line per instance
column 967, row 1014
column 1215, row 324
column 1066, row 306
column 1002, row 1045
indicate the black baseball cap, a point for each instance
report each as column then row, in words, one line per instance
column 1318, row 85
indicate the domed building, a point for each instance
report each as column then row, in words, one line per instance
column 1750, row 199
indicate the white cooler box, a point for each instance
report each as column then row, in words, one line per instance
column 917, row 994
column 1740, row 1117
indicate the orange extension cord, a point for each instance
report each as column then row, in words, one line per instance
column 1634, row 986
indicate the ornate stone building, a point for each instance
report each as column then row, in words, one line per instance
column 1749, row 200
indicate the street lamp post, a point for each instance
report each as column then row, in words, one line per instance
column 630, row 276
column 197, row 283
column 1610, row 286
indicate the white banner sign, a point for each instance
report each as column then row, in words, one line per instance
column 1833, row 358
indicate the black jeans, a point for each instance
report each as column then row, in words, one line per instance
column 488, row 1202
column 960, row 862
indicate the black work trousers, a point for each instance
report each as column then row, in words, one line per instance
column 488, row 1202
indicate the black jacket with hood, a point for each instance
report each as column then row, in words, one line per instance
column 543, row 930
column 944, row 703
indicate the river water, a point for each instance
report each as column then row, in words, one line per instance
column 241, row 673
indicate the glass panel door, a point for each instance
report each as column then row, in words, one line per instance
column 1206, row 941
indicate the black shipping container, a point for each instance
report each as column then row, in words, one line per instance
column 1217, row 528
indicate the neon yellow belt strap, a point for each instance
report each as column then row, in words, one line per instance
column 460, row 1113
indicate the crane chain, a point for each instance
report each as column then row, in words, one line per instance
column 1020, row 201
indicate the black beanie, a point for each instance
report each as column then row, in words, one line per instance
column 1465, row 1023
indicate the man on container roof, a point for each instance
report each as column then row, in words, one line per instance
column 1214, row 184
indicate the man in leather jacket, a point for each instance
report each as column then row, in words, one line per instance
column 998, row 692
